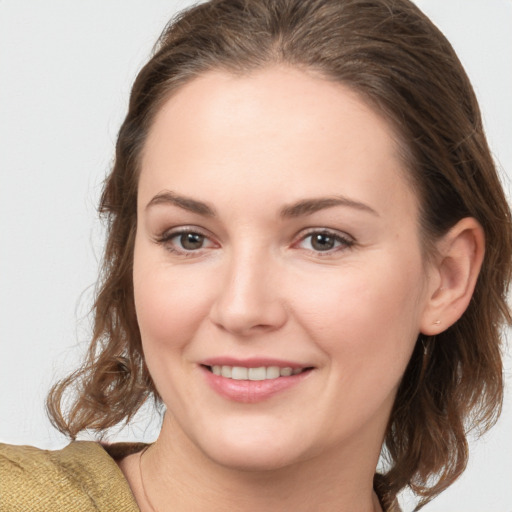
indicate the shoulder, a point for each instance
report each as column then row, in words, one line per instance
column 82, row 476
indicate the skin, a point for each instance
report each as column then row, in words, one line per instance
column 250, row 149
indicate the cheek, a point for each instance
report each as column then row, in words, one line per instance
column 169, row 303
column 366, row 316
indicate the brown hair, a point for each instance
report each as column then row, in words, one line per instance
column 397, row 60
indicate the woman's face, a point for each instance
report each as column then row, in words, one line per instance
column 276, row 233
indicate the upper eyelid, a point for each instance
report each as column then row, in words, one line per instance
column 178, row 230
column 328, row 231
column 165, row 237
column 301, row 235
column 345, row 241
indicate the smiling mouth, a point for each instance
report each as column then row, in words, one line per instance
column 259, row 373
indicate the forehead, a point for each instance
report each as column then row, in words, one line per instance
column 278, row 124
column 279, row 99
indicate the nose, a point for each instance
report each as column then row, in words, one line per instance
column 249, row 300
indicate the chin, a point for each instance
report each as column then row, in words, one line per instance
column 251, row 453
column 250, row 460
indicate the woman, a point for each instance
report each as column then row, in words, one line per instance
column 289, row 314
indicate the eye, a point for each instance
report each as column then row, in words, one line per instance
column 324, row 241
column 190, row 241
column 185, row 241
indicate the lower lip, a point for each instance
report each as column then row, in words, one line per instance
column 251, row 391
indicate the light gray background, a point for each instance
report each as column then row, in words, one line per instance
column 65, row 72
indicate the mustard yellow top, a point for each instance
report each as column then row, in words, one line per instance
column 82, row 477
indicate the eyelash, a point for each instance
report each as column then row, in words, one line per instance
column 342, row 242
column 166, row 240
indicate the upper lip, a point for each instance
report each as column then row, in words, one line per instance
column 253, row 362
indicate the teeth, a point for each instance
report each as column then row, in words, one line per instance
column 257, row 373
column 272, row 372
column 239, row 373
column 226, row 371
column 260, row 373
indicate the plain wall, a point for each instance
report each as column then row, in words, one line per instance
column 65, row 72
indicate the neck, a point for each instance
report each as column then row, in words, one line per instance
column 177, row 476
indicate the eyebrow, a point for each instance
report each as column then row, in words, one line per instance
column 187, row 203
column 303, row 207
column 310, row 206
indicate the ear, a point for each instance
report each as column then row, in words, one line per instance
column 453, row 275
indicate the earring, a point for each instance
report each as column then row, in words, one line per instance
column 437, row 322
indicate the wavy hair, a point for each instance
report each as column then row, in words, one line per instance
column 400, row 63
